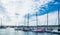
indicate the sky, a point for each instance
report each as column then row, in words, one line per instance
column 15, row 12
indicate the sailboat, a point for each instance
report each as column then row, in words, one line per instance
column 54, row 30
column 2, row 27
column 27, row 27
column 47, row 25
column 57, row 30
column 37, row 30
column 58, row 19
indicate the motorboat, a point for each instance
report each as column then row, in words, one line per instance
column 38, row 30
column 55, row 31
column 48, row 31
column 26, row 29
column 17, row 29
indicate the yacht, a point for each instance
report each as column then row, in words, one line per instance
column 55, row 31
column 38, row 30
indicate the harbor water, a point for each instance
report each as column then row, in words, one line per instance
column 11, row 31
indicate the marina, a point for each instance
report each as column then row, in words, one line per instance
column 11, row 31
column 40, row 29
column 29, row 17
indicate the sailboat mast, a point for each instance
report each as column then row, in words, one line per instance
column 58, row 19
column 28, row 20
column 36, row 20
column 58, row 15
column 47, row 20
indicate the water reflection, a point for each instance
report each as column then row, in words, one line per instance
column 11, row 31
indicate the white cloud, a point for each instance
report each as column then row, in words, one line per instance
column 22, row 7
